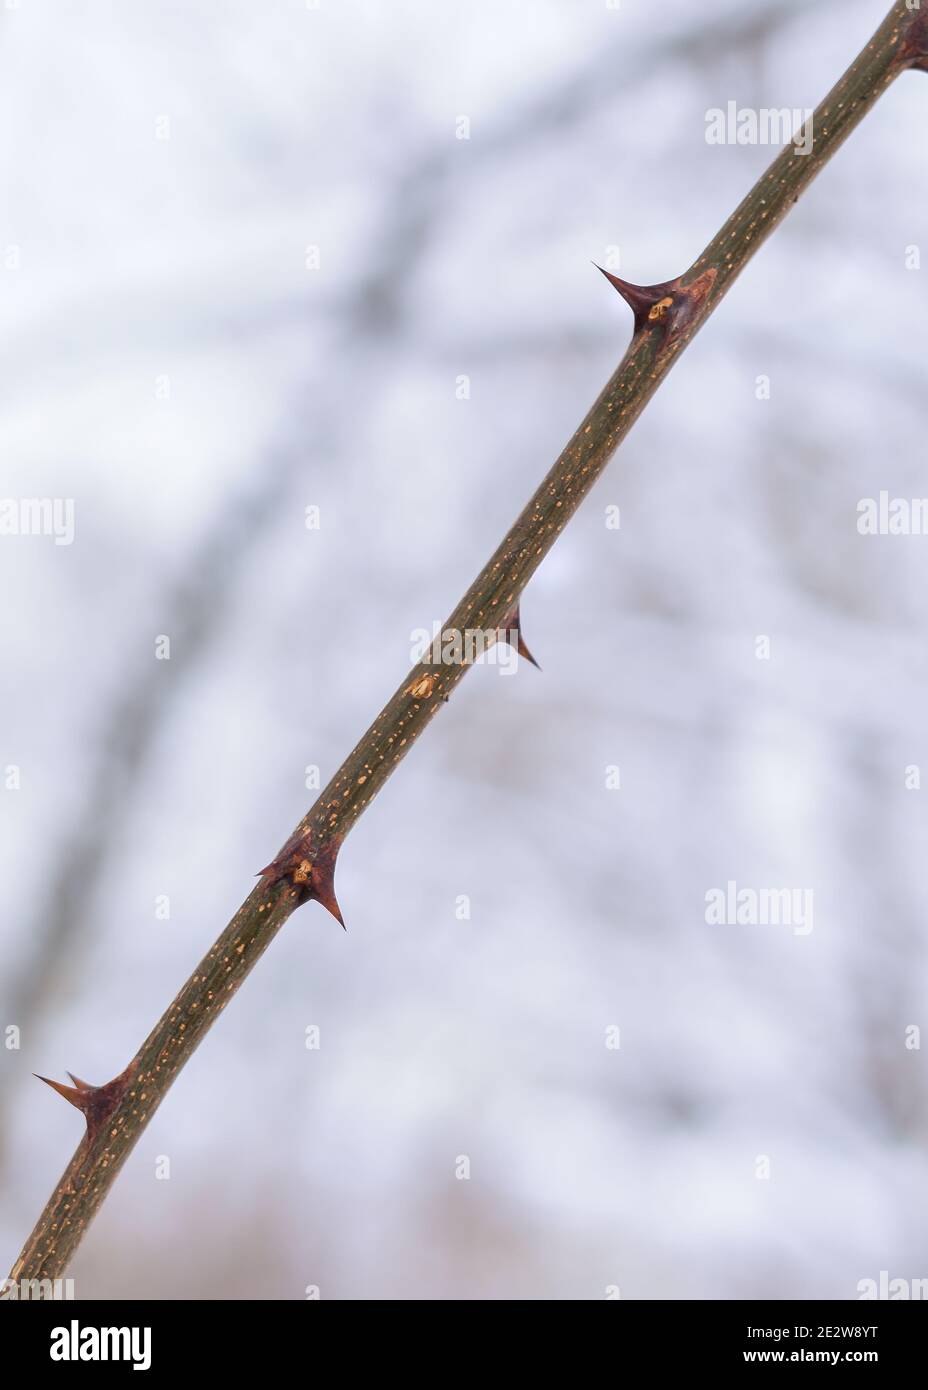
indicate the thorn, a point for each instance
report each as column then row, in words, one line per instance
column 310, row 870
column 289, row 858
column 96, row 1103
column 322, row 881
column 647, row 302
column 523, row 650
column 513, row 623
column 75, row 1095
column 330, row 903
column 638, row 297
column 291, row 861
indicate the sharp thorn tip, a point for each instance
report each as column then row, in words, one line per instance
column 72, row 1094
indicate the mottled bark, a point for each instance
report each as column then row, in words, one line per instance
column 666, row 318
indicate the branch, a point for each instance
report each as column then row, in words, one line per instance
column 375, row 309
column 667, row 316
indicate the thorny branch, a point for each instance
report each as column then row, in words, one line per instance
column 667, row 316
column 373, row 313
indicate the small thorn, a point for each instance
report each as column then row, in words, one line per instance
column 639, row 298
column 278, row 868
column 331, row 905
column 309, row 869
column 647, row 302
column 513, row 623
column 74, row 1095
column 323, row 887
column 524, row 651
column 96, row 1103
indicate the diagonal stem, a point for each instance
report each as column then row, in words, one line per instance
column 666, row 318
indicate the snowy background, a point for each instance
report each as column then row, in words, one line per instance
column 172, row 361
